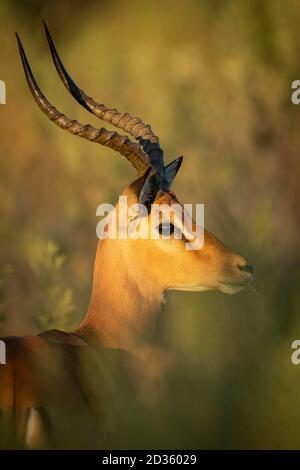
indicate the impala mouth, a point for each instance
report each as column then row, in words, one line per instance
column 234, row 287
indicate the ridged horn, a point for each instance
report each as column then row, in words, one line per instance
column 121, row 143
column 134, row 126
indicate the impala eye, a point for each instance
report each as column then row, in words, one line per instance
column 166, row 229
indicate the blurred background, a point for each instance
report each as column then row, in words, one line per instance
column 214, row 80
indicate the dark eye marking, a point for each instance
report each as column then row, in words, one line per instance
column 168, row 229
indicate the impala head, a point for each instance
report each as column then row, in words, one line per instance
column 163, row 256
column 167, row 263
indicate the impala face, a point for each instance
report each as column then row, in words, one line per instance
column 211, row 267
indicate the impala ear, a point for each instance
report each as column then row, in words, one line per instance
column 150, row 188
column 171, row 170
column 133, row 191
column 145, row 189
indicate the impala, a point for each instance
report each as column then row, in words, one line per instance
column 65, row 377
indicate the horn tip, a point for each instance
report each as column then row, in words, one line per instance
column 20, row 46
column 46, row 30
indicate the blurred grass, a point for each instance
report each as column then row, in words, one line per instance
column 214, row 80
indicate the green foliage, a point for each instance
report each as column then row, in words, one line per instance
column 52, row 303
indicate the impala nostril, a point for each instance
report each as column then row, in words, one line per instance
column 247, row 268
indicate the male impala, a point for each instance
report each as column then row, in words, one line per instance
column 66, row 377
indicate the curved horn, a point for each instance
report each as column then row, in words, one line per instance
column 134, row 126
column 131, row 150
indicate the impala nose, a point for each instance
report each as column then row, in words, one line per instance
column 246, row 268
column 238, row 276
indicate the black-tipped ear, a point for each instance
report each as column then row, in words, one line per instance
column 133, row 191
column 149, row 189
column 171, row 170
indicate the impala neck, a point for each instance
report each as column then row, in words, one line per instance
column 124, row 305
